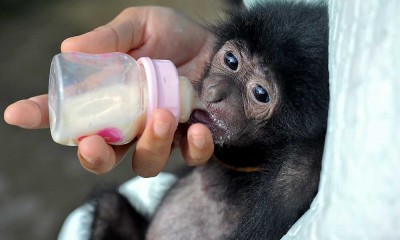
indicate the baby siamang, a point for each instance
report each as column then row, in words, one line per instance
column 266, row 94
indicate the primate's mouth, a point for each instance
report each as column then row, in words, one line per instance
column 217, row 127
column 201, row 116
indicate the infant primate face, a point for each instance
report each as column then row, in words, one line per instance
column 240, row 94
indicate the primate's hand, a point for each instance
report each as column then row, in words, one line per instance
column 155, row 32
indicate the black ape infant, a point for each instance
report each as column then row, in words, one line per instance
column 266, row 95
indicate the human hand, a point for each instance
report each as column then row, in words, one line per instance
column 155, row 32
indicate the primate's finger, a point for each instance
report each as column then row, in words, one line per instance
column 29, row 113
column 122, row 34
column 198, row 147
column 154, row 146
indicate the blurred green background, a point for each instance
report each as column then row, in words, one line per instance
column 41, row 181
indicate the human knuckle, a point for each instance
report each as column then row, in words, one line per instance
column 152, row 151
column 128, row 11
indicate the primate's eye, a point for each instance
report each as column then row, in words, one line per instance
column 261, row 94
column 231, row 61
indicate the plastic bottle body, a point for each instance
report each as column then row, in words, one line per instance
column 112, row 95
column 103, row 94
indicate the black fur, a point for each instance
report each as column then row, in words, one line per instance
column 114, row 218
column 291, row 39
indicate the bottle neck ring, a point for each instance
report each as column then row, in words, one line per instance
column 163, row 86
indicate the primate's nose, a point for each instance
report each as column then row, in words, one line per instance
column 218, row 92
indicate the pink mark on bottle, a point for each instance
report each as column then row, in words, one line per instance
column 111, row 135
column 81, row 137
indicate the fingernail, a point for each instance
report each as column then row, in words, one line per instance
column 161, row 129
column 199, row 141
column 93, row 162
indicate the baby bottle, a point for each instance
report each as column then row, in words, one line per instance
column 112, row 95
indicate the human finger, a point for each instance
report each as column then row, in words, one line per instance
column 154, row 145
column 122, row 34
column 97, row 156
column 171, row 35
column 29, row 113
column 198, row 147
